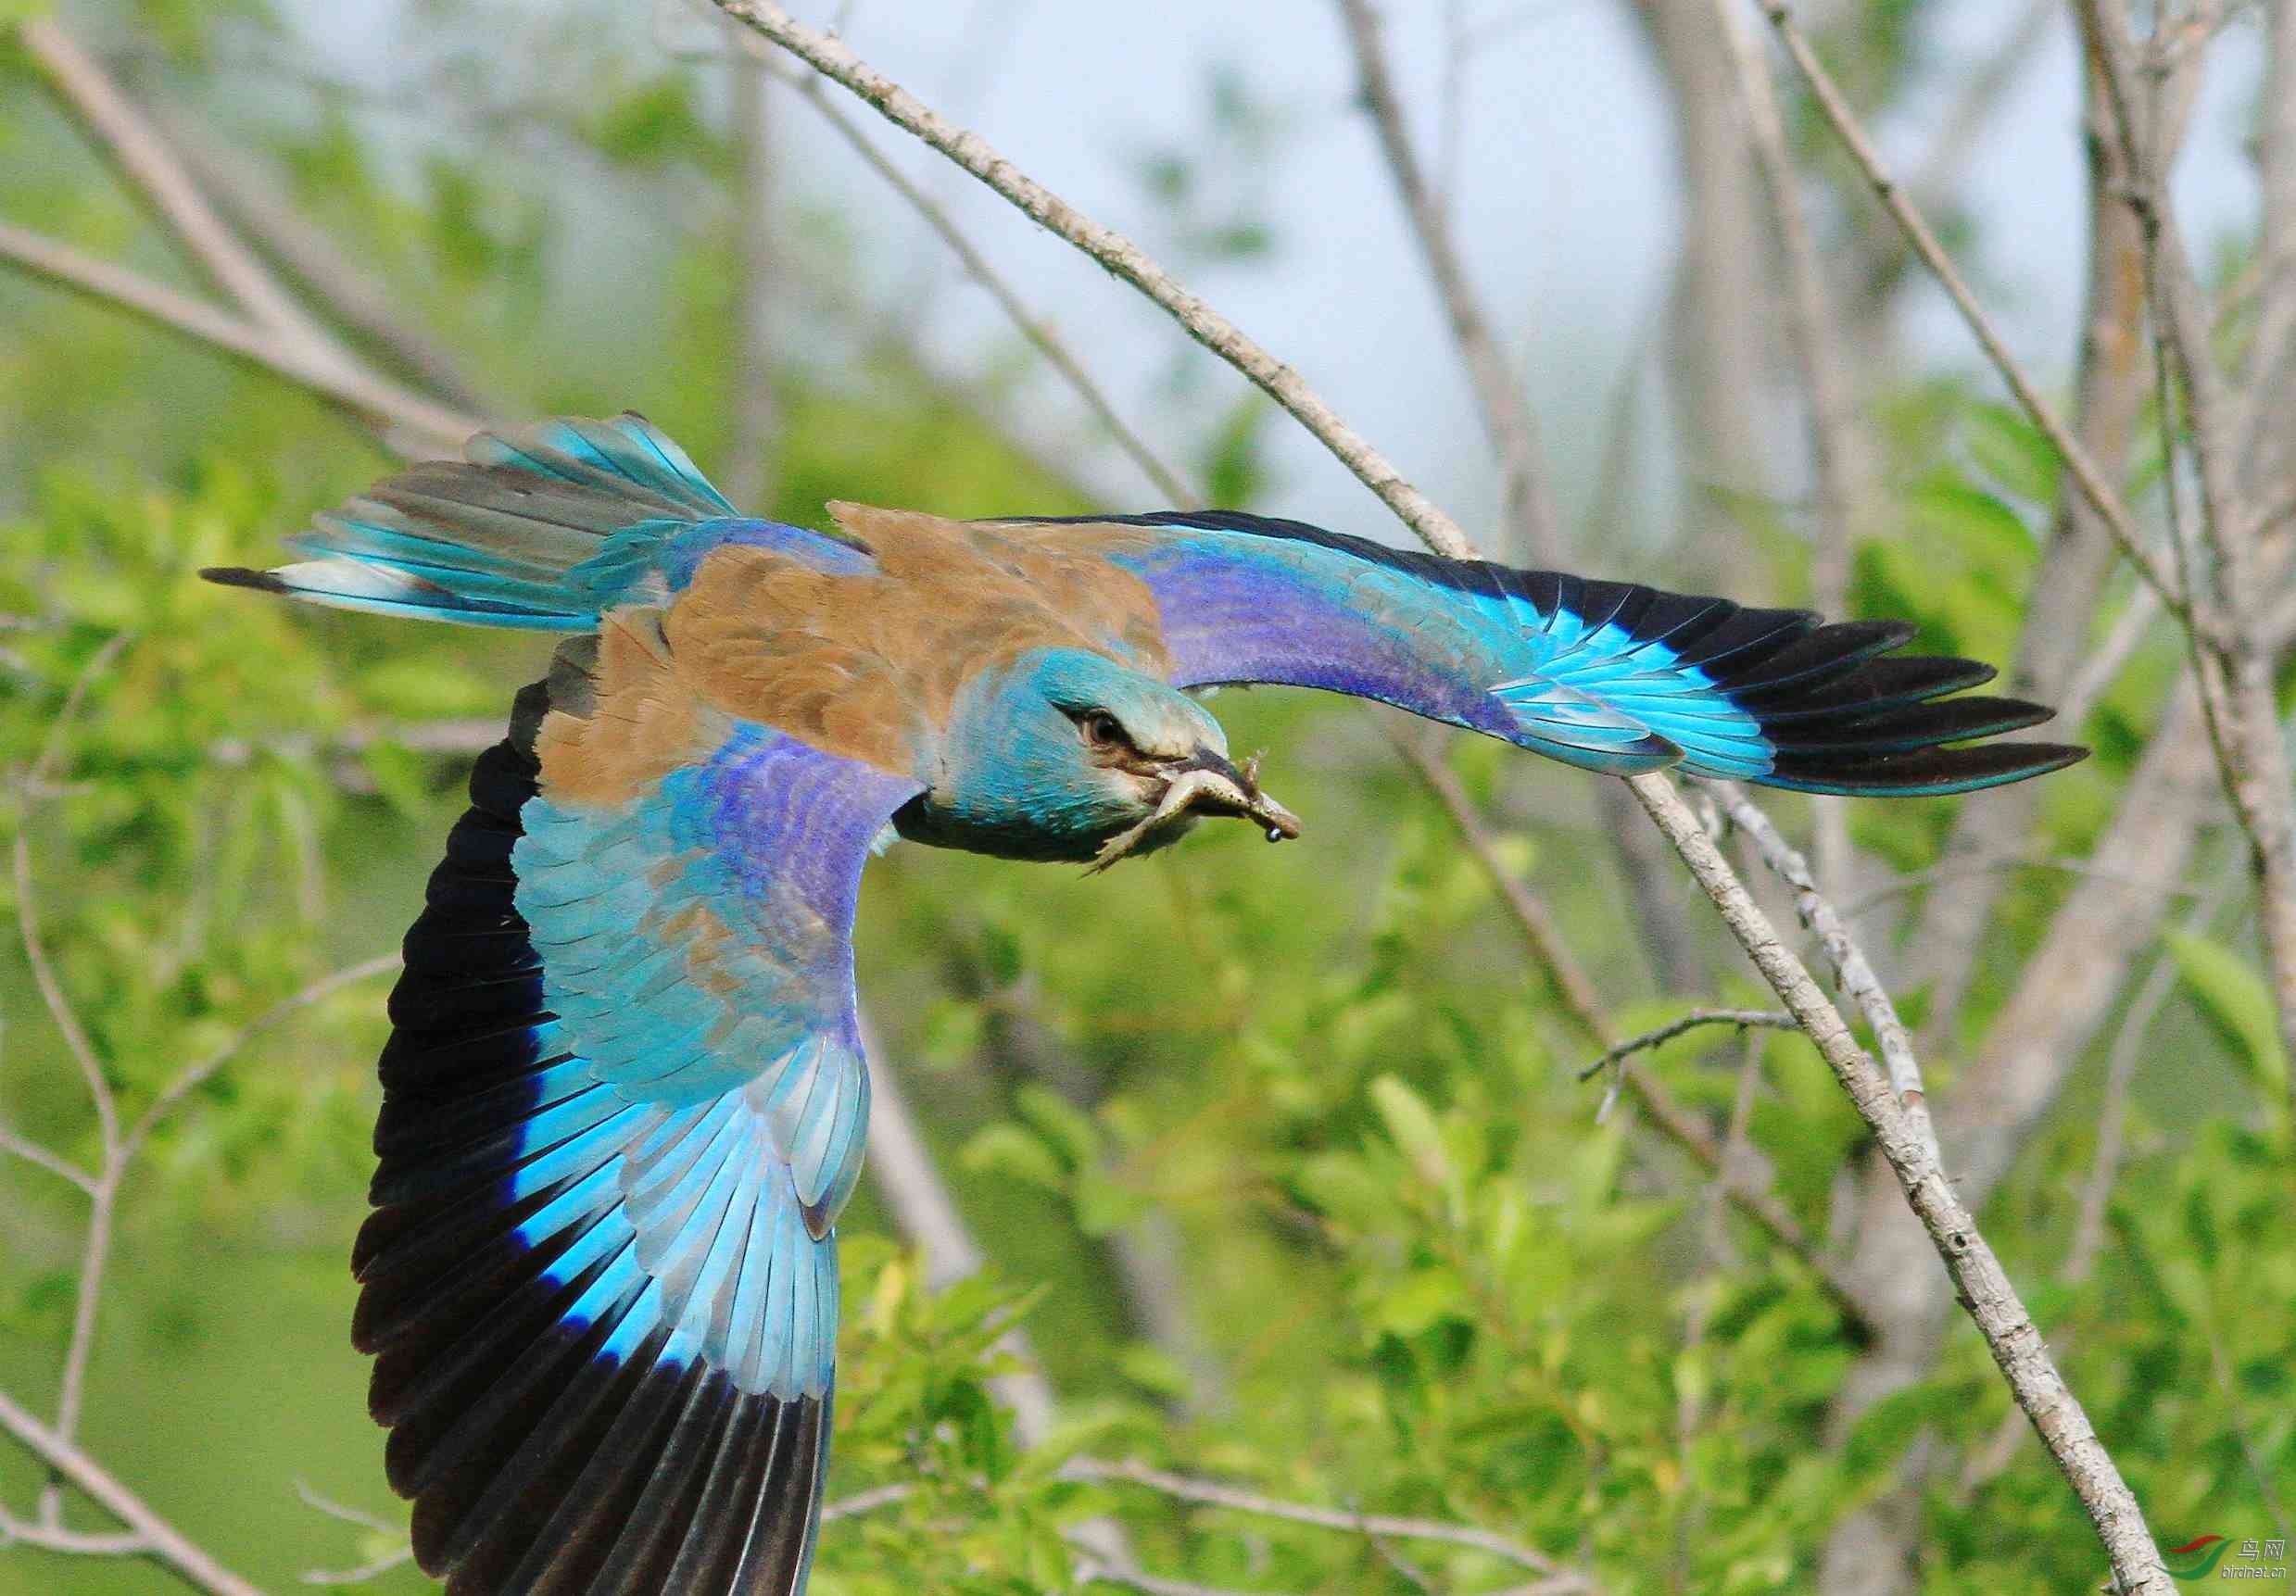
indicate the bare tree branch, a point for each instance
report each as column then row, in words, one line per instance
column 1744, row 1019
column 1532, row 533
column 157, row 1539
column 23, row 1146
column 1984, row 1288
column 433, row 428
column 2054, row 658
column 344, row 286
column 1035, row 329
column 757, row 418
column 149, row 162
column 1117, row 254
column 2094, row 487
column 2232, row 658
column 1212, row 1493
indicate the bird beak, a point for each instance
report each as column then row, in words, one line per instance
column 1205, row 783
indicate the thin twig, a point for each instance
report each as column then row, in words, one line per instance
column 977, row 266
column 1533, row 532
column 374, row 1567
column 1962, row 869
column 193, row 1076
column 345, row 288
column 51, row 994
column 72, row 1542
column 1851, row 970
column 2103, row 663
column 1742, row 1018
column 30, row 1152
column 149, row 161
column 1118, row 255
column 433, row 427
column 1985, row 1290
column 2099, row 494
column 1213, row 1494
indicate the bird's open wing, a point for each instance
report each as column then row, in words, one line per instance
column 623, row 1103
column 1608, row 675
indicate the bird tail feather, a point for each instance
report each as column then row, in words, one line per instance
column 540, row 529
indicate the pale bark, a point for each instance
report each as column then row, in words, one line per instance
column 757, row 289
column 1532, row 533
column 2109, row 400
column 1717, row 347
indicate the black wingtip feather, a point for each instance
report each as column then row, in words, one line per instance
column 1934, row 773
column 240, row 576
column 539, row 1464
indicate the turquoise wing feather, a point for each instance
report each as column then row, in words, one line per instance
column 1608, row 675
column 623, row 1101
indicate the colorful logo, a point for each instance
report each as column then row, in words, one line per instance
column 2195, row 1559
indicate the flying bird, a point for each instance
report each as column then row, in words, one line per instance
column 623, row 1098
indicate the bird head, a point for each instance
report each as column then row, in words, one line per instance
column 1073, row 755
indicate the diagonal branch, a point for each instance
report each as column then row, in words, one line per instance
column 2086, row 474
column 157, row 1539
column 1115, row 254
column 342, row 286
column 433, row 428
column 1532, row 532
column 148, row 161
column 1030, row 326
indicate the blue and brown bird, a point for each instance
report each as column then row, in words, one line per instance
column 623, row 1098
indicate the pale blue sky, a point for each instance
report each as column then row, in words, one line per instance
column 1566, row 202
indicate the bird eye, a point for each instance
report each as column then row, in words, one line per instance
column 1101, row 729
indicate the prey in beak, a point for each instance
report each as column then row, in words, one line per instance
column 1205, row 783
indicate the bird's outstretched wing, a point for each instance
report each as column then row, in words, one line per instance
column 623, row 1103
column 1608, row 675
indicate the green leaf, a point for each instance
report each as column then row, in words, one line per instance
column 1418, row 1301
column 2013, row 452
column 1411, row 1125
column 653, row 124
column 1006, row 1148
column 1066, row 1127
column 2233, row 998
